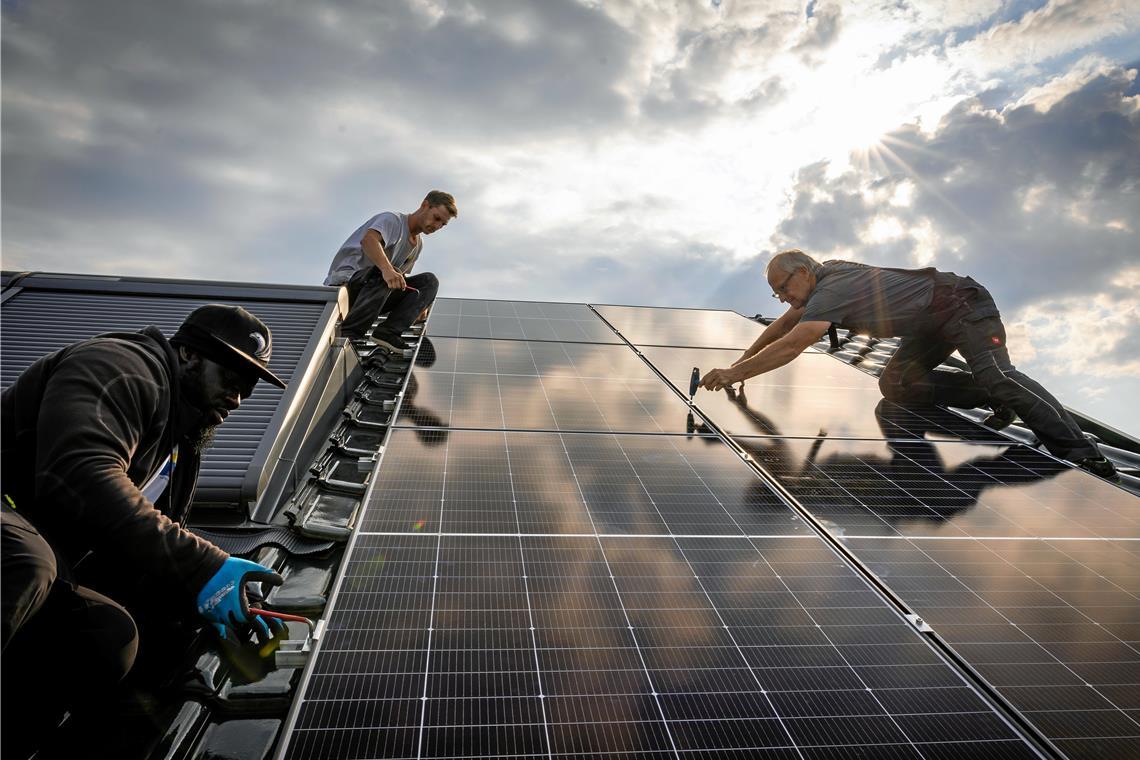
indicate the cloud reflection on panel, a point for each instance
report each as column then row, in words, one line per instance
column 538, row 386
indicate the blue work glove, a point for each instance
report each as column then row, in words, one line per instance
column 223, row 603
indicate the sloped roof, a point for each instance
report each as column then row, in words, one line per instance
column 544, row 548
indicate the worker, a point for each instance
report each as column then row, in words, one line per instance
column 375, row 264
column 101, row 443
column 935, row 313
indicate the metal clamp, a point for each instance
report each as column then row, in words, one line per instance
column 294, row 653
column 919, row 623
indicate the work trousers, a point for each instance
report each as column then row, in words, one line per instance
column 975, row 329
column 65, row 646
column 369, row 297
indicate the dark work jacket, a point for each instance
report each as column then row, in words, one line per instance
column 82, row 430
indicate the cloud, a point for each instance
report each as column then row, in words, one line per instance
column 1035, row 203
column 1058, row 27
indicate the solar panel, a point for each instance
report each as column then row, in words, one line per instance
column 1052, row 624
column 699, row 328
column 483, row 481
column 518, row 320
column 520, row 357
column 919, row 488
column 549, row 564
column 814, row 395
column 485, row 646
column 494, row 384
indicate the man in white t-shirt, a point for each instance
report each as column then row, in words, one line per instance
column 375, row 264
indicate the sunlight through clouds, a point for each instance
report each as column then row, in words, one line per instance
column 653, row 151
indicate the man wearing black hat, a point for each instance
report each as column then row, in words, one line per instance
column 100, row 444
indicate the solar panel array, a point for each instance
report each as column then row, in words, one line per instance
column 559, row 558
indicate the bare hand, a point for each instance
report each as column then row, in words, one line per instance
column 393, row 279
column 715, row 379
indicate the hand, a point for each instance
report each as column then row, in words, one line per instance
column 715, row 379
column 393, row 279
column 223, row 603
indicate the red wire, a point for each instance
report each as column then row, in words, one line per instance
column 282, row 616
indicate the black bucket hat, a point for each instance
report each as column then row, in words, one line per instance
column 230, row 336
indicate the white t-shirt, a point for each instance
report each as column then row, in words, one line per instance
column 393, row 229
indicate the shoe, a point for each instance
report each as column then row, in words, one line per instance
column 1000, row 418
column 1099, row 466
column 389, row 341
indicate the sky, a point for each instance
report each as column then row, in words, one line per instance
column 633, row 151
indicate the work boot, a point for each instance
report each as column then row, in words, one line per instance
column 1000, row 417
column 1099, row 466
column 389, row 340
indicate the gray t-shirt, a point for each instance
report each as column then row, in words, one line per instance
column 393, row 229
column 872, row 300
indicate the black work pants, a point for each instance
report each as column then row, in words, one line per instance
column 64, row 646
column 976, row 331
column 369, row 297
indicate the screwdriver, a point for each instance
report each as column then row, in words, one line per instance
column 694, row 381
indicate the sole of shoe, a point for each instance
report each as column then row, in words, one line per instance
column 387, row 343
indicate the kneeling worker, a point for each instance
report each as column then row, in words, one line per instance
column 101, row 443
column 375, row 262
column 935, row 313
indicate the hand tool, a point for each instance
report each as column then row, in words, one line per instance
column 694, row 381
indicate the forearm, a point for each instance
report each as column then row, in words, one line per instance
column 772, row 333
column 375, row 253
column 776, row 354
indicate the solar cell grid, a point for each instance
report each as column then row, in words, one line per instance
column 948, row 489
column 1052, row 624
column 588, row 645
column 632, row 484
column 518, row 320
column 592, row 594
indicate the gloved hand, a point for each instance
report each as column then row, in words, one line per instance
column 223, row 603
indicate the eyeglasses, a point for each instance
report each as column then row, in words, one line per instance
column 782, row 288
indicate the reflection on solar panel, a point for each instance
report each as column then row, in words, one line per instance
column 447, row 645
column 813, row 396
column 519, row 357
column 515, row 591
column 516, row 320
column 494, row 384
column 699, row 328
column 1052, row 624
column 946, row 489
column 468, row 481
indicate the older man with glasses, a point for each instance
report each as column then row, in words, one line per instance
column 935, row 313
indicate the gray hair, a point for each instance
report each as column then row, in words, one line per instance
column 790, row 260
